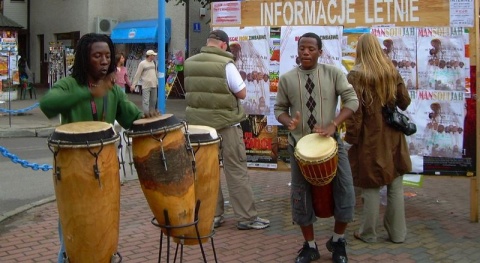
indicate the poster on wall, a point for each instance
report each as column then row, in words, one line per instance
column 250, row 46
column 331, row 37
column 349, row 46
column 399, row 44
column 259, row 137
column 441, row 58
column 439, row 116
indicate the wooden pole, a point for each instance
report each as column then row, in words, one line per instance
column 474, row 182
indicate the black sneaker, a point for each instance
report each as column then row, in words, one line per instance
column 307, row 254
column 339, row 252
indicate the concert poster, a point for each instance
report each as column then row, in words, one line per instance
column 439, row 116
column 331, row 37
column 251, row 49
column 399, row 44
column 441, row 58
column 259, row 139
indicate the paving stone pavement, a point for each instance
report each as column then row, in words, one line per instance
column 437, row 218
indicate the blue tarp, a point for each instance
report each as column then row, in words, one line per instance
column 140, row 31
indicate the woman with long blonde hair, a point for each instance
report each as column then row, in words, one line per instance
column 379, row 154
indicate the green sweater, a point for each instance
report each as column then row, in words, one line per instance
column 73, row 102
column 330, row 83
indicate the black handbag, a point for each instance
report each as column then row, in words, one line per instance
column 398, row 120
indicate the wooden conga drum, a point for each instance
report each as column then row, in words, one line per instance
column 164, row 171
column 205, row 144
column 87, row 188
column 317, row 158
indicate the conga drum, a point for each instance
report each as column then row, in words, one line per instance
column 317, row 158
column 165, row 171
column 87, row 188
column 205, row 144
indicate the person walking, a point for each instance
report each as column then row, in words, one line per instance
column 214, row 88
column 147, row 73
column 81, row 96
column 121, row 75
column 306, row 102
column 379, row 154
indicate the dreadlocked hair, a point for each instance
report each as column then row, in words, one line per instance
column 378, row 75
column 82, row 56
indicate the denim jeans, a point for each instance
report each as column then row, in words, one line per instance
column 62, row 244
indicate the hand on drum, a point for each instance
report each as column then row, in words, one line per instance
column 328, row 131
column 151, row 114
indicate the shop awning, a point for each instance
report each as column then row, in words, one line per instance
column 140, row 31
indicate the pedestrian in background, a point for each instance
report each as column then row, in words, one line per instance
column 306, row 103
column 214, row 89
column 147, row 73
column 379, row 153
column 91, row 83
column 121, row 74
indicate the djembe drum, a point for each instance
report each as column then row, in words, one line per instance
column 164, row 171
column 317, row 158
column 205, row 144
column 87, row 188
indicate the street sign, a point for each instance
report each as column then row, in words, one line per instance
column 196, row 27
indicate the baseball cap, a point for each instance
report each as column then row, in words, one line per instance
column 151, row 52
column 220, row 35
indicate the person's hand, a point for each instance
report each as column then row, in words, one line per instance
column 294, row 122
column 326, row 131
column 103, row 86
column 151, row 114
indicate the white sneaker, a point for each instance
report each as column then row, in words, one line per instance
column 218, row 221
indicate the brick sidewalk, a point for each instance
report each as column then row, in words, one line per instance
column 437, row 220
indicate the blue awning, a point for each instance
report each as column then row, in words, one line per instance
column 140, row 31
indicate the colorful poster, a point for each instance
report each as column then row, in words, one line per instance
column 399, row 44
column 251, row 47
column 439, row 116
column 331, row 37
column 349, row 46
column 259, row 137
column 441, row 58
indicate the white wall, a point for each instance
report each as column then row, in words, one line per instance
column 16, row 11
column 49, row 17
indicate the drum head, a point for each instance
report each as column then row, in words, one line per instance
column 315, row 147
column 201, row 134
column 87, row 133
column 165, row 122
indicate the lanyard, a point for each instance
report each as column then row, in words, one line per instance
column 94, row 108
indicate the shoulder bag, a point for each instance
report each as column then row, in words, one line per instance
column 398, row 120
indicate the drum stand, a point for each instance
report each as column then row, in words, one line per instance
column 168, row 227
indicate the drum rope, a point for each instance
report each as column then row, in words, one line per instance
column 160, row 140
column 55, row 153
column 189, row 148
column 128, row 142
column 24, row 163
column 95, row 166
column 20, row 110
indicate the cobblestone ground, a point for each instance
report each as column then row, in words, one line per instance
column 437, row 218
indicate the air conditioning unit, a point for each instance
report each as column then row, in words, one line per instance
column 104, row 25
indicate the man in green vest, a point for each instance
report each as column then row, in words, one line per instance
column 214, row 88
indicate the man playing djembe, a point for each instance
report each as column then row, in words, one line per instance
column 311, row 92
